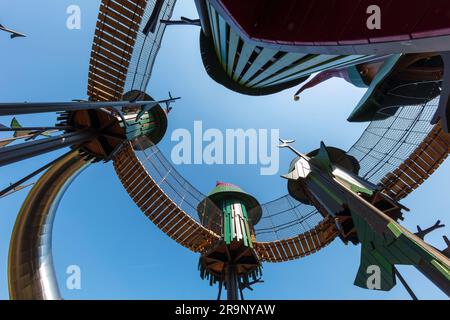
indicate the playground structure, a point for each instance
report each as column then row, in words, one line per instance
column 230, row 230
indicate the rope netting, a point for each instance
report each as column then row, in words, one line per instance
column 387, row 143
column 148, row 43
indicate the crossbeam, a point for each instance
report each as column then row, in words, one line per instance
column 30, row 149
column 7, row 109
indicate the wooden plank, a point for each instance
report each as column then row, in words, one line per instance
column 182, row 228
column 126, row 13
column 108, row 77
column 413, row 171
column 286, row 249
column 162, row 221
column 148, row 191
column 96, row 91
column 155, row 200
column 102, row 88
column 311, row 245
column 97, row 80
column 105, row 28
column 314, row 239
column 192, row 231
column 173, row 222
column 146, row 203
column 163, row 211
column 150, row 207
column 117, row 58
column 130, row 31
column 195, row 236
column 299, row 247
column 104, row 10
column 118, row 67
column 305, row 246
column 142, row 193
column 98, row 65
column 132, row 6
column 111, row 39
column 291, row 245
column 136, row 184
column 178, row 227
column 112, row 54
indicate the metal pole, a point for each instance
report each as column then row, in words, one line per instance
column 36, row 128
column 30, row 149
column 231, row 282
column 407, row 287
column 241, row 291
column 31, row 175
column 220, row 290
column 42, row 107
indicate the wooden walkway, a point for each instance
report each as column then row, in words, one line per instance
column 419, row 166
column 158, row 206
column 299, row 246
column 115, row 36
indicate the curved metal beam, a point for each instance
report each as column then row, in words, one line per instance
column 31, row 274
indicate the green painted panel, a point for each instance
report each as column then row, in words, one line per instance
column 226, row 223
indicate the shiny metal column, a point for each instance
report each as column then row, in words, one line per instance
column 31, row 273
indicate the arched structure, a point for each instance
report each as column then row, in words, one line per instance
column 31, row 273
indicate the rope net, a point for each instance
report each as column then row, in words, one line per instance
column 387, row 143
column 148, row 43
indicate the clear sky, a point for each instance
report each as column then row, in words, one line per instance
column 122, row 255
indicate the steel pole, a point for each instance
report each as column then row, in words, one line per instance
column 30, row 149
column 42, row 107
column 231, row 279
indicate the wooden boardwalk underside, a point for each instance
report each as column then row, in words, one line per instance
column 159, row 207
column 419, row 166
column 114, row 39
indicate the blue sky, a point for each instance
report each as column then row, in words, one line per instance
column 122, row 255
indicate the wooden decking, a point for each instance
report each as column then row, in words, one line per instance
column 299, row 246
column 419, row 166
column 115, row 35
column 159, row 207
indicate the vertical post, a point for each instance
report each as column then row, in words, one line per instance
column 231, row 280
column 219, row 295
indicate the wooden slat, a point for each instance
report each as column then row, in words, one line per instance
column 116, row 28
column 106, row 29
column 131, row 5
column 310, row 242
column 286, row 249
column 420, row 165
column 106, row 11
column 115, row 35
column 112, row 54
column 105, row 37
